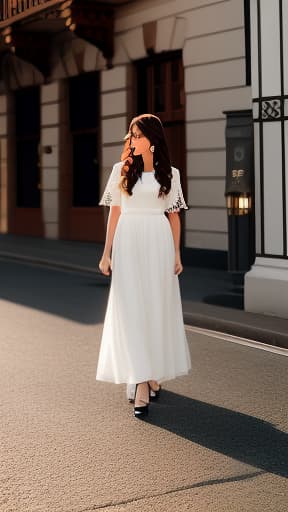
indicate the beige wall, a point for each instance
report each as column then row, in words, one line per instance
column 211, row 34
column 50, row 136
column 115, row 91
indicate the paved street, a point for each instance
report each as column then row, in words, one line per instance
column 215, row 441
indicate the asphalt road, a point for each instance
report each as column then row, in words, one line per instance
column 214, row 442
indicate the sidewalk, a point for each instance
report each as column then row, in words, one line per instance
column 210, row 298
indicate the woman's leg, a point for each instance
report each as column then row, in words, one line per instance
column 130, row 389
column 154, row 385
column 142, row 394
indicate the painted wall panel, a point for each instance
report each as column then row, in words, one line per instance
column 205, row 135
column 218, row 75
column 215, row 18
column 257, row 188
column 221, row 46
column 212, row 104
column 285, row 45
column 270, row 48
column 115, row 78
column 273, row 209
column 206, row 220
column 50, row 92
column 50, row 179
column 50, row 136
column 206, row 163
column 50, row 114
column 114, row 103
column 113, row 130
column 50, row 205
column 214, row 241
column 254, row 49
column 3, row 104
column 3, row 124
column 111, row 155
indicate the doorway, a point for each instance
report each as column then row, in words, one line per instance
column 81, row 217
column 25, row 212
column 160, row 91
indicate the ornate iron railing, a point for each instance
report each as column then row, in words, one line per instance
column 11, row 8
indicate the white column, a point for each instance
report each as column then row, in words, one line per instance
column 266, row 285
column 50, row 133
column 3, row 164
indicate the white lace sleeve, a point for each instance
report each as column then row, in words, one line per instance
column 112, row 194
column 175, row 200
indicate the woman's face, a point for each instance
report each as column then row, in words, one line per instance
column 139, row 142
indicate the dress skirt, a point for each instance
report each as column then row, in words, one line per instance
column 143, row 335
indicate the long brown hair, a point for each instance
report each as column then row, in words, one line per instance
column 152, row 128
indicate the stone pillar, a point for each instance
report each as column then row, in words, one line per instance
column 3, row 164
column 266, row 285
column 50, row 134
column 114, row 116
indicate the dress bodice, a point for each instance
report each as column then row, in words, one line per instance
column 144, row 196
column 144, row 193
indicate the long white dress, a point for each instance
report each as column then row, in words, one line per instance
column 143, row 334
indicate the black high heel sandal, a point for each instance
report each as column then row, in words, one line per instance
column 141, row 411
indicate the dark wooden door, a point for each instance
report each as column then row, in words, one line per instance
column 26, row 213
column 82, row 218
column 160, row 90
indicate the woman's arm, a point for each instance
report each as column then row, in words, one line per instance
column 175, row 224
column 105, row 262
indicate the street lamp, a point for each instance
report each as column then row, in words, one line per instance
column 239, row 204
column 239, row 192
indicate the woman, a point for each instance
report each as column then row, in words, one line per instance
column 143, row 340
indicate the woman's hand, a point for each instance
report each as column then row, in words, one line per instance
column 105, row 265
column 178, row 264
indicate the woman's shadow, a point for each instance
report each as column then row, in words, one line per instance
column 237, row 435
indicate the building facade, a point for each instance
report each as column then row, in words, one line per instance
column 184, row 59
column 63, row 115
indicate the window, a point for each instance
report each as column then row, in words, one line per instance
column 84, row 127
column 160, row 86
column 27, row 115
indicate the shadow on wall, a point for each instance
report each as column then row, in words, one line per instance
column 245, row 438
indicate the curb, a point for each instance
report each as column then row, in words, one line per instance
column 51, row 263
column 235, row 328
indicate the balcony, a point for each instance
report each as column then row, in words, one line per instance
column 15, row 10
column 29, row 28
